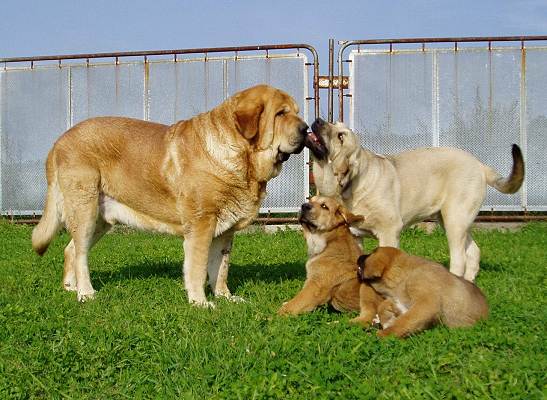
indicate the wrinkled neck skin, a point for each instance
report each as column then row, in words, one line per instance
column 329, row 185
column 263, row 164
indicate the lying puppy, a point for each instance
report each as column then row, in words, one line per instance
column 331, row 270
column 393, row 192
column 419, row 293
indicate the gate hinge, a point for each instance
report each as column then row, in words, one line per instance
column 324, row 82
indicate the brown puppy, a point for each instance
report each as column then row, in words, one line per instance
column 331, row 271
column 201, row 179
column 419, row 293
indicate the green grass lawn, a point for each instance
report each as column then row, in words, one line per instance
column 139, row 338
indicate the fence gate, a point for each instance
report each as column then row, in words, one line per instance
column 39, row 100
column 481, row 99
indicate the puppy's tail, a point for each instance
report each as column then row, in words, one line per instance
column 514, row 181
column 50, row 223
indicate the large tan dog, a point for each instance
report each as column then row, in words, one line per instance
column 201, row 179
column 393, row 192
column 331, row 270
column 419, row 293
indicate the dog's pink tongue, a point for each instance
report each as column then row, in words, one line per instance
column 313, row 138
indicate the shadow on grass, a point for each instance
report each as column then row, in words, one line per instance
column 491, row 267
column 238, row 275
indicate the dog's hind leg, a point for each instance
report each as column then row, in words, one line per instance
column 80, row 186
column 69, row 274
column 472, row 261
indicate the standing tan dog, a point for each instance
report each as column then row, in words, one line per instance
column 419, row 293
column 393, row 192
column 201, row 179
column 331, row 270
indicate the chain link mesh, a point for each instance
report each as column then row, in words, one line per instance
column 475, row 99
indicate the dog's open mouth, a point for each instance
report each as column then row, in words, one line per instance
column 304, row 221
column 315, row 143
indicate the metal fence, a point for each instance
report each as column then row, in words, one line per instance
column 39, row 102
column 481, row 99
column 402, row 94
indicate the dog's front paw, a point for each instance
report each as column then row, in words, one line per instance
column 364, row 322
column 230, row 297
column 283, row 310
column 203, row 304
column 84, row 296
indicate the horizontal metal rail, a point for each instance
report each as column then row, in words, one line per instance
column 294, row 220
column 175, row 52
column 345, row 44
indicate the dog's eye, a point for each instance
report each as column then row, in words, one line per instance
column 341, row 137
column 280, row 113
column 324, row 206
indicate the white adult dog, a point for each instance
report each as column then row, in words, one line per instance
column 393, row 192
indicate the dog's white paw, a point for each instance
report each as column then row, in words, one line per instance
column 203, row 304
column 84, row 296
column 235, row 299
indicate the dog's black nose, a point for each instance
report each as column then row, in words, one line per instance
column 304, row 128
column 306, row 207
column 317, row 124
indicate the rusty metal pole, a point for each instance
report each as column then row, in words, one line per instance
column 331, row 77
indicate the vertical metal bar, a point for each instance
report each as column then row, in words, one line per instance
column 307, row 163
column 70, row 117
column 146, row 100
column 3, row 78
column 340, row 86
column 435, row 100
column 225, row 79
column 206, row 82
column 489, row 131
column 523, row 121
column 351, row 89
column 176, row 105
column 331, row 77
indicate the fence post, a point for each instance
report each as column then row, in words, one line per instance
column 435, row 100
column 331, row 77
column 523, row 120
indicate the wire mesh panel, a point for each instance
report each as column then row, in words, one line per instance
column 34, row 111
column 181, row 90
column 38, row 104
column 476, row 99
column 289, row 190
column 391, row 103
column 536, row 128
column 479, row 103
column 107, row 89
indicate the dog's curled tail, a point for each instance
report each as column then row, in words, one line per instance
column 50, row 223
column 514, row 181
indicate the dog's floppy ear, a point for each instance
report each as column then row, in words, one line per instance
column 375, row 264
column 247, row 116
column 348, row 216
column 272, row 107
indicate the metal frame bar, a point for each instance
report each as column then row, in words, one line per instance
column 176, row 52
